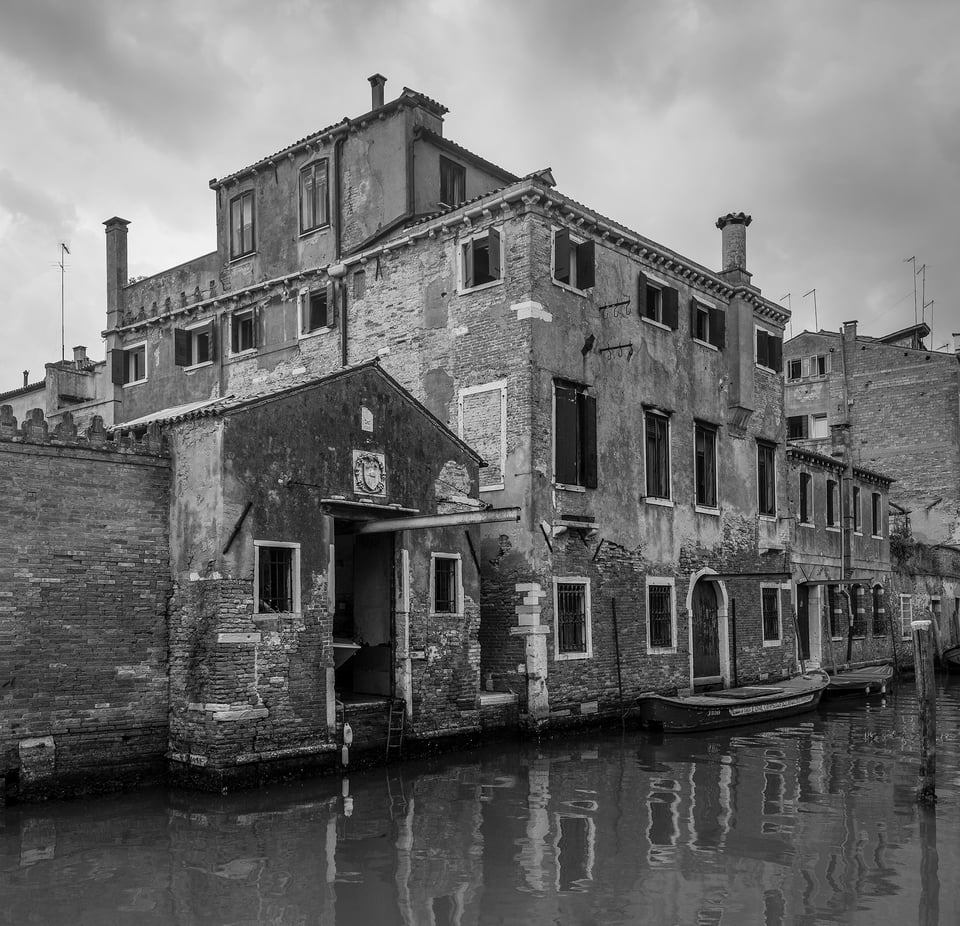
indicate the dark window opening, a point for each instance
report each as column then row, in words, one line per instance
column 707, row 323
column 806, row 514
column 275, row 579
column 243, row 332
column 879, row 625
column 876, row 524
column 575, row 436
column 128, row 366
column 836, row 611
column 657, row 431
column 705, row 449
column 797, row 427
column 659, row 598
column 193, row 345
column 657, row 302
column 859, row 612
column 241, row 224
column 831, row 503
column 794, row 369
column 573, row 261
column 855, row 504
column 770, row 605
column 445, row 585
column 571, row 617
column 453, row 183
column 481, row 259
column 766, row 479
column 769, row 350
column 315, row 314
column 313, row 196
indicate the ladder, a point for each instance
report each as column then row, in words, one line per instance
column 396, row 720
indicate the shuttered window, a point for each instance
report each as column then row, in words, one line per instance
column 657, row 444
column 879, row 624
column 481, row 259
column 128, row 366
column 766, row 478
column 575, row 436
column 573, row 260
column 806, row 506
column 831, row 503
column 453, row 183
column 192, row 346
column 859, row 611
column 708, row 323
column 658, row 302
column 769, row 350
column 314, row 310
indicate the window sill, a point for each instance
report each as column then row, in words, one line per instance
column 661, row 651
column 705, row 509
column 568, row 287
column 707, row 345
column 463, row 291
column 249, row 352
column 655, row 323
column 858, row 533
column 445, row 614
column 197, row 366
column 662, row 502
column 312, row 231
column 771, row 643
column 769, row 518
column 564, row 657
column 833, row 529
column 241, row 257
column 806, row 524
column 136, row 382
column 305, row 335
column 876, row 536
column 564, row 487
column 765, row 369
column 494, row 488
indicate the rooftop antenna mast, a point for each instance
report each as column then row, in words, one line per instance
column 922, row 273
column 816, row 324
column 789, row 309
column 913, row 260
column 63, row 349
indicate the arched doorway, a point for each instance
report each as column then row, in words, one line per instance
column 709, row 647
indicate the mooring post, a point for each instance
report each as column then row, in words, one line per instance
column 927, row 708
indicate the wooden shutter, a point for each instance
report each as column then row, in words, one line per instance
column 762, row 355
column 493, row 237
column 693, row 317
column 775, row 351
column 585, row 265
column 234, row 335
column 561, row 255
column 255, row 325
column 467, row 250
column 588, row 438
column 718, row 328
column 182, row 347
column 641, row 294
column 670, row 307
column 565, row 435
column 212, row 335
column 118, row 366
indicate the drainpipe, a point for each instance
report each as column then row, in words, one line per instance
column 340, row 283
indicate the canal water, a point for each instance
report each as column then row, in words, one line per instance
column 807, row 821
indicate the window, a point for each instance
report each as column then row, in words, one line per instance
column 707, row 323
column 482, row 423
column 796, row 427
column 445, row 584
column 129, row 366
column 313, row 196
column 876, row 515
column 806, row 500
column 831, row 503
column 705, row 464
column 657, row 447
column 572, row 260
column 820, row 365
column 859, row 612
column 193, row 346
column 794, row 369
column 313, row 307
column 571, row 609
column 836, row 611
column 770, row 606
column 818, row 426
column 243, row 331
column 766, row 479
column 359, row 284
column 855, row 505
column 241, row 225
column 276, row 586
column 481, row 259
column 453, row 183
column 878, row 610
column 769, row 350
column 658, row 302
column 906, row 616
column 575, row 436
column 661, row 623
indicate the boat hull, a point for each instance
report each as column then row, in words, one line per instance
column 950, row 658
column 733, row 707
column 859, row 682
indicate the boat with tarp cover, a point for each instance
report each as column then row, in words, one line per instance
column 732, row 707
column 865, row 680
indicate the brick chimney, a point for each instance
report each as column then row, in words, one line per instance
column 733, row 227
column 956, row 342
column 116, row 268
column 79, row 356
column 850, row 331
column 377, row 82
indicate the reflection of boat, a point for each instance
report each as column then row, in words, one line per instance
column 732, row 707
column 863, row 681
column 950, row 658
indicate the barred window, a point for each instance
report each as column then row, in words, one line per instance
column 879, row 625
column 446, row 598
column 859, row 612
column 770, row 605
column 571, row 600
column 660, row 616
column 277, row 577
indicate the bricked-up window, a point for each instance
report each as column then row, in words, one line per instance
column 573, row 260
column 770, row 606
column 129, row 366
column 313, row 308
column 879, row 624
column 575, row 436
column 769, row 350
column 766, row 478
column 313, row 196
column 836, row 611
column 482, row 423
column 657, row 454
column 481, row 259
column 241, row 225
column 243, row 331
column 794, row 369
column 906, row 616
column 859, row 611
column 796, row 427
column 806, row 498
column 453, row 183
column 855, row 505
column 708, row 323
column 705, row 464
column 445, row 583
column 571, row 601
column 192, row 346
column 876, row 515
column 831, row 503
column 660, row 615
column 658, row 302
column 277, row 577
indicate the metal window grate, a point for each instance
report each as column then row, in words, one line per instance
column 771, row 613
column 276, row 579
column 571, row 618
column 661, row 623
column 444, row 586
column 859, row 613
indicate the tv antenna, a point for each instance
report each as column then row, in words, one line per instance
column 63, row 348
column 816, row 324
column 913, row 260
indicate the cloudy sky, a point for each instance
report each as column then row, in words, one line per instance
column 835, row 123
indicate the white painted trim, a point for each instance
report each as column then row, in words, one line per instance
column 146, row 367
column 779, row 639
column 658, row 499
column 652, row 321
column 301, row 302
column 707, row 509
column 530, row 309
column 468, row 239
column 588, row 621
column 662, row 580
column 458, row 585
column 707, row 345
column 294, row 569
column 723, row 627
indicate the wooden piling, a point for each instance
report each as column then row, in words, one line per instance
column 923, row 648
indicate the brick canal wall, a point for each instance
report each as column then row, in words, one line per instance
column 84, row 581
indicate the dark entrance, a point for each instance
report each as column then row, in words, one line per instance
column 706, row 635
column 803, row 619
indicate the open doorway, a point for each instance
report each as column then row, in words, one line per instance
column 363, row 619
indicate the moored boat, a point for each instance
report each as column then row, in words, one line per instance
column 950, row 659
column 865, row 680
column 732, row 707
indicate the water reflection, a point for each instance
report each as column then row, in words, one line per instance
column 810, row 822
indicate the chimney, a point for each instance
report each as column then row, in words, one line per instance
column 850, row 331
column 376, row 87
column 116, row 268
column 733, row 227
column 26, row 377
column 79, row 356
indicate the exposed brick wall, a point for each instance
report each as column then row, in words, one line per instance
column 85, row 581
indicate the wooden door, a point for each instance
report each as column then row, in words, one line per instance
column 706, row 633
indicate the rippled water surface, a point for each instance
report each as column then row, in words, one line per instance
column 810, row 821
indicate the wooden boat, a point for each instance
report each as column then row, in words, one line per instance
column 950, row 658
column 866, row 680
column 732, row 707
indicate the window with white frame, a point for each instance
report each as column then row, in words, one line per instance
column 243, row 331
column 446, row 594
column 906, row 616
column 276, row 577
column 482, row 423
column 876, row 515
column 194, row 345
column 657, row 454
column 707, row 323
column 481, row 260
column 705, row 464
column 818, row 426
column 657, row 301
column 129, row 365
column 573, row 260
column 878, row 611
column 241, row 225
column 661, row 615
column 453, row 183
column 766, row 479
column 571, row 618
column 794, row 369
column 770, row 610
column 820, row 365
column 313, row 310
column 313, row 196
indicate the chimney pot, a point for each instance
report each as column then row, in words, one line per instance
column 26, row 377
column 733, row 227
column 850, row 330
column 956, row 342
column 377, row 82
column 79, row 355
